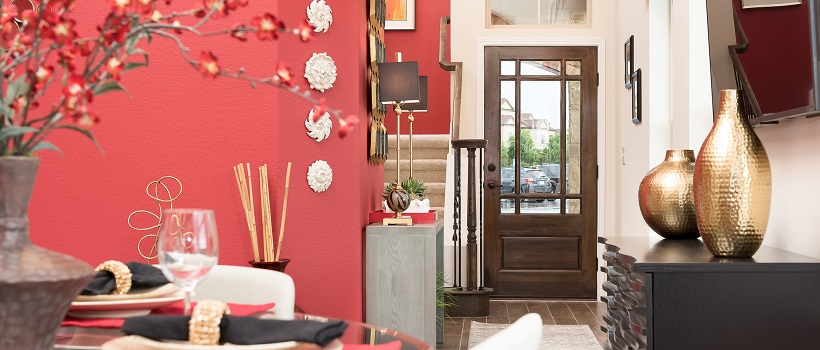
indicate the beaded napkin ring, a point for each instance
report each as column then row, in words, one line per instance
column 203, row 328
column 122, row 275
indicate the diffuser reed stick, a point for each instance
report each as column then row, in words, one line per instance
column 284, row 213
column 247, row 204
column 267, row 220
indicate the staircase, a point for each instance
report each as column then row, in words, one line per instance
column 429, row 165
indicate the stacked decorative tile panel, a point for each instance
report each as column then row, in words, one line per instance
column 626, row 325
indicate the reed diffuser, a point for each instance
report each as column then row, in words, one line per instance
column 270, row 257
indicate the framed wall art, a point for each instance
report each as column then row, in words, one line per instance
column 637, row 109
column 377, row 150
column 400, row 14
column 629, row 61
column 750, row 4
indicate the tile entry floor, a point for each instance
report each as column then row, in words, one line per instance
column 457, row 330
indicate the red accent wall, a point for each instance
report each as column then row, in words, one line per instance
column 179, row 123
column 422, row 45
column 778, row 62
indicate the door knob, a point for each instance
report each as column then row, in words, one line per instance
column 491, row 167
column 492, row 185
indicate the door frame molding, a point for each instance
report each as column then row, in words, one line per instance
column 600, row 43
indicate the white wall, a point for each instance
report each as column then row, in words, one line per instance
column 794, row 223
column 634, row 143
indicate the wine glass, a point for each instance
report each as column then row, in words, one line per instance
column 188, row 248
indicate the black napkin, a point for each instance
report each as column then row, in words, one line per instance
column 239, row 330
column 142, row 276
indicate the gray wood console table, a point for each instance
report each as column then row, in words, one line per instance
column 401, row 265
column 674, row 294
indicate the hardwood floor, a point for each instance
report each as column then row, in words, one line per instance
column 457, row 330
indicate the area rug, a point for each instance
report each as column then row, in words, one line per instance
column 552, row 338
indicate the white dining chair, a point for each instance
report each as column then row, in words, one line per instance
column 247, row 285
column 524, row 334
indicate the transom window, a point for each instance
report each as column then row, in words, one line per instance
column 538, row 12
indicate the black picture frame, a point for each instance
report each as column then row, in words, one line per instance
column 637, row 109
column 629, row 61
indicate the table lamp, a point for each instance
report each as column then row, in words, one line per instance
column 398, row 84
column 420, row 106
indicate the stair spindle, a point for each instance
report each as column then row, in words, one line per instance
column 457, row 219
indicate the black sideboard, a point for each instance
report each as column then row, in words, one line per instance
column 674, row 294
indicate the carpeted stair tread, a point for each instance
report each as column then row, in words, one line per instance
column 420, row 141
column 418, row 164
column 424, row 147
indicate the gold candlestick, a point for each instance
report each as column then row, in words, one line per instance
column 398, row 199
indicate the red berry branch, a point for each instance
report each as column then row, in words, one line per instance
column 41, row 48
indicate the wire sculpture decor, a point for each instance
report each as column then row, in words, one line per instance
column 160, row 192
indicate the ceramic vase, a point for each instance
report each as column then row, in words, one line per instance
column 37, row 285
column 666, row 197
column 732, row 184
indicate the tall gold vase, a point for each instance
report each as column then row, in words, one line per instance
column 666, row 196
column 732, row 184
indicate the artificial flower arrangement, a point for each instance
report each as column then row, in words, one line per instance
column 41, row 49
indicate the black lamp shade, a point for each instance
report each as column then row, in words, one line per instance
column 420, row 106
column 398, row 82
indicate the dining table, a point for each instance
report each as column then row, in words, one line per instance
column 357, row 336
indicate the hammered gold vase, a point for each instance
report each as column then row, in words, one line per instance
column 666, row 197
column 732, row 184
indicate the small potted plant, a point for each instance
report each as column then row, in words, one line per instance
column 415, row 188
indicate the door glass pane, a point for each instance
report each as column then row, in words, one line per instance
column 550, row 68
column 573, row 136
column 573, row 206
column 538, row 12
column 539, row 119
column 509, row 182
column 540, row 206
column 507, row 206
column 507, row 67
column 573, row 67
column 540, row 139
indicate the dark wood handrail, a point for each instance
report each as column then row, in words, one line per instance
column 456, row 68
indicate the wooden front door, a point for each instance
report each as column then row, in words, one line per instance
column 540, row 115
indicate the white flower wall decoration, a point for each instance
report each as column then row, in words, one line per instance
column 319, row 176
column 320, row 71
column 319, row 16
column 320, row 129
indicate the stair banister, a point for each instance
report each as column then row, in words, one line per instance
column 456, row 68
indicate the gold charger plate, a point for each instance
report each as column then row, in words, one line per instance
column 121, row 308
column 135, row 342
column 144, row 293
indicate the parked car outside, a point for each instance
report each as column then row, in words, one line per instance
column 508, row 181
column 541, row 182
column 553, row 172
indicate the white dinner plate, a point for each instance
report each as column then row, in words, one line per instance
column 136, row 342
column 120, row 308
column 163, row 290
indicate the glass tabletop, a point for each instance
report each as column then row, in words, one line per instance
column 358, row 333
